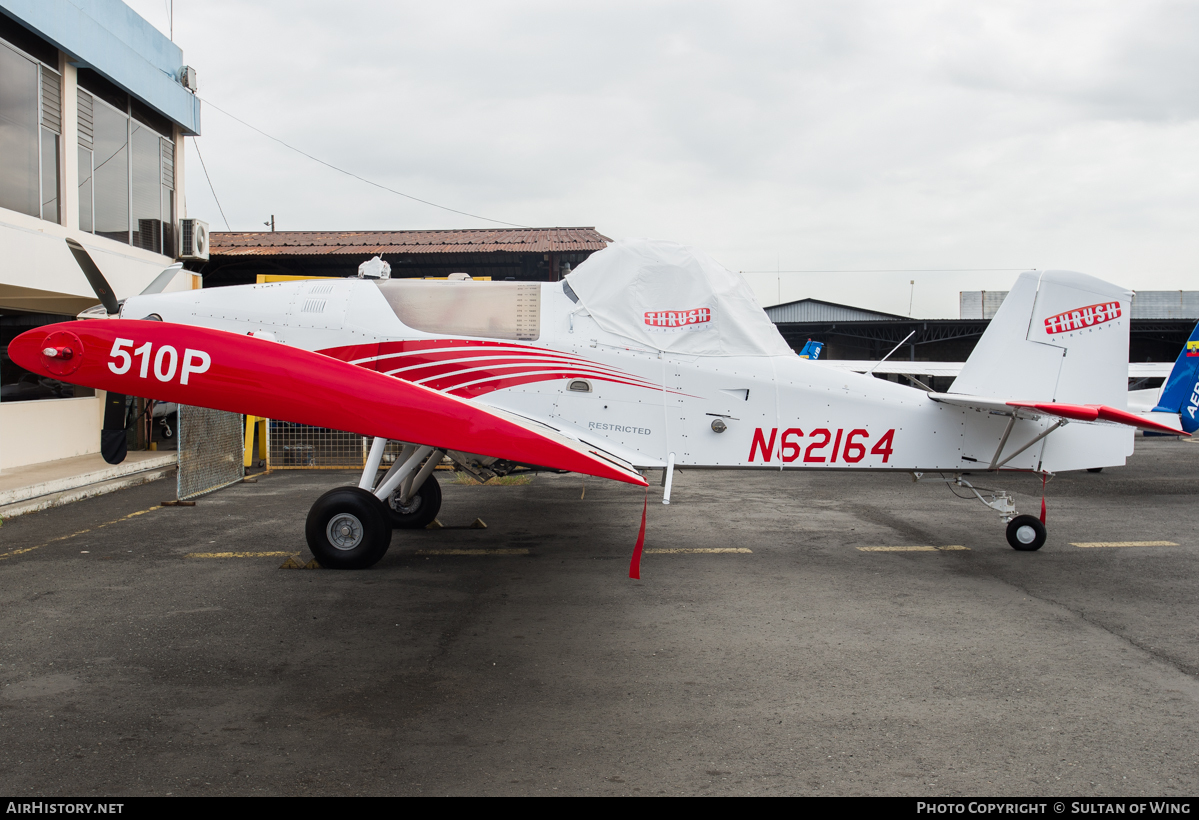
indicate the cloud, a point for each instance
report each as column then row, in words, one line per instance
column 802, row 135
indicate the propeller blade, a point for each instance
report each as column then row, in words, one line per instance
column 162, row 280
column 113, row 440
column 95, row 278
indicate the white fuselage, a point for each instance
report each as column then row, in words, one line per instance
column 642, row 405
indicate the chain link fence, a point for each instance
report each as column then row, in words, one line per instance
column 300, row 447
column 211, row 447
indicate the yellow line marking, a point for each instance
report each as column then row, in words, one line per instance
column 1125, row 544
column 698, row 551
column 12, row 553
column 949, row 548
column 239, row 554
column 521, row 551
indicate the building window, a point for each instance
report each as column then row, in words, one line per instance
column 126, row 168
column 51, row 93
column 110, row 172
column 19, row 384
column 87, row 205
column 30, row 131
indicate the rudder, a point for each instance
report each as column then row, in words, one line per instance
column 1058, row 336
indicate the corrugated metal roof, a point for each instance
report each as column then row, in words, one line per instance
column 980, row 304
column 814, row 310
column 370, row 243
column 1165, row 304
column 1146, row 304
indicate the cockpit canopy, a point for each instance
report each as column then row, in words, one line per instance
column 673, row 298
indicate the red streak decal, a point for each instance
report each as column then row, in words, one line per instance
column 499, row 383
column 352, row 352
column 407, row 361
column 475, row 367
column 242, row 374
column 415, row 360
column 421, row 361
column 464, row 378
column 635, row 563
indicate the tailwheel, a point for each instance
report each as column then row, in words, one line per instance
column 1026, row 533
column 348, row 528
column 418, row 511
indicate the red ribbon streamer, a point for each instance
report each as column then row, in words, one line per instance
column 635, row 564
column 1042, row 498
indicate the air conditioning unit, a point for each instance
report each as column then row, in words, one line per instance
column 187, row 77
column 193, row 239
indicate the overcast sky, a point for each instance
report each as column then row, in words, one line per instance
column 796, row 136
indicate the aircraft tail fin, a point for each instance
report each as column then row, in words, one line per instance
column 1180, row 394
column 1059, row 336
column 811, row 350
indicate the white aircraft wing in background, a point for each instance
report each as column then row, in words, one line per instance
column 1136, row 370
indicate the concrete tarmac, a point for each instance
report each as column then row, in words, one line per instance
column 131, row 665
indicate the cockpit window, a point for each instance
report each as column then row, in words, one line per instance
column 495, row 310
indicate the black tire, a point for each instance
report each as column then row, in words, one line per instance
column 1026, row 533
column 420, row 510
column 1094, row 469
column 348, row 528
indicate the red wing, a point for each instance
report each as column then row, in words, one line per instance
column 241, row 374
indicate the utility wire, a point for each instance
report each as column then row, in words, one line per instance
column 355, row 176
column 205, row 167
column 890, row 270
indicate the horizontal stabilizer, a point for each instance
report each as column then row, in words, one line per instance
column 1099, row 412
column 1073, row 412
column 242, row 374
column 1136, row 370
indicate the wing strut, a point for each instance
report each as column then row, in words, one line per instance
column 1007, row 431
column 1037, row 438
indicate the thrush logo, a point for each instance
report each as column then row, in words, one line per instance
column 676, row 319
column 1082, row 318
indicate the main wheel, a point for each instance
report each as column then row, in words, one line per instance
column 1026, row 533
column 421, row 508
column 348, row 528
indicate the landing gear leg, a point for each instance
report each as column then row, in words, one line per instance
column 1024, row 532
column 412, row 498
column 420, row 506
column 350, row 527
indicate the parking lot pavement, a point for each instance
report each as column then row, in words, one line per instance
column 798, row 664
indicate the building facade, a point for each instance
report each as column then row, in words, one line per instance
column 1159, row 325
column 521, row 254
column 93, row 113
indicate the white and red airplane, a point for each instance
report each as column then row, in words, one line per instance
column 650, row 355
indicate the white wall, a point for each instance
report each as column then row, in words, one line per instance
column 34, row 256
column 35, row 431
